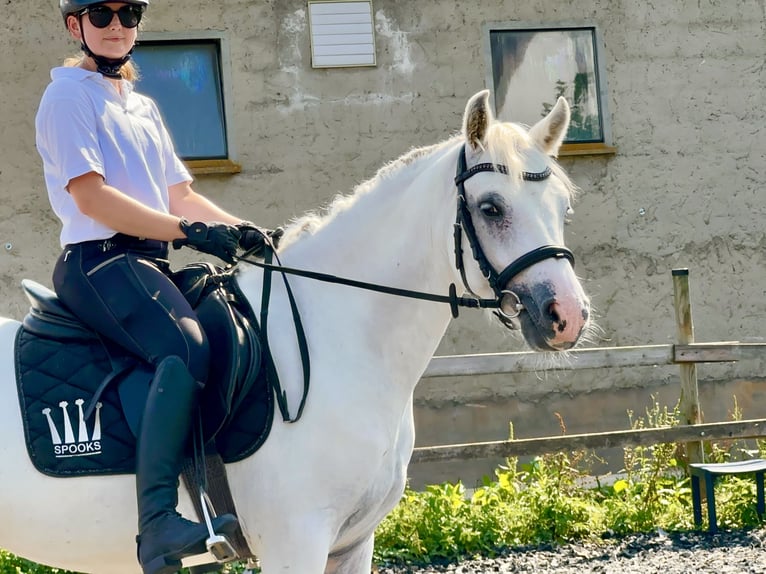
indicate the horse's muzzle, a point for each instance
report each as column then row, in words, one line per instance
column 551, row 323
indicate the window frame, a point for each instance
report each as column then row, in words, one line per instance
column 208, row 166
column 602, row 147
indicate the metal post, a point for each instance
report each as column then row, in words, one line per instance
column 689, row 403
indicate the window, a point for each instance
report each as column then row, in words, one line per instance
column 187, row 75
column 530, row 67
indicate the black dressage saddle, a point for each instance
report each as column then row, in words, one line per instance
column 82, row 397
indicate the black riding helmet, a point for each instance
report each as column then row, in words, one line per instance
column 109, row 67
column 74, row 6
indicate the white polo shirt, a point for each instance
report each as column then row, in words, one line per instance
column 83, row 124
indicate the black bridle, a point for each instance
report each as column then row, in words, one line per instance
column 464, row 224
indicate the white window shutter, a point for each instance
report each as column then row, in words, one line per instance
column 342, row 33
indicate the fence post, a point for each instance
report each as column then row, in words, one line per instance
column 689, row 403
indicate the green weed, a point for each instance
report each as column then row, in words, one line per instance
column 548, row 500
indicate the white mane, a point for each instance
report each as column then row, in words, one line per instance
column 507, row 143
column 397, row 171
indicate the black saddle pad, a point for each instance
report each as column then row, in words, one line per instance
column 56, row 384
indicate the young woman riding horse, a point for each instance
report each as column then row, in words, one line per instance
column 473, row 213
column 122, row 194
column 482, row 212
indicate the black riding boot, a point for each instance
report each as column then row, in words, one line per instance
column 164, row 535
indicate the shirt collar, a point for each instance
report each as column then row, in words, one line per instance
column 81, row 74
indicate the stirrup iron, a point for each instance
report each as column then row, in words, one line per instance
column 217, row 544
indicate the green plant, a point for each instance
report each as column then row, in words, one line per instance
column 653, row 483
column 546, row 500
column 10, row 564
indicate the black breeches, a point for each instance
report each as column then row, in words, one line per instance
column 119, row 287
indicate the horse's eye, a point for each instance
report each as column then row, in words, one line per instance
column 491, row 210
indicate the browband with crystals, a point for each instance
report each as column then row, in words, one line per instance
column 500, row 168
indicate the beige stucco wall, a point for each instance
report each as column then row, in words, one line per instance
column 686, row 189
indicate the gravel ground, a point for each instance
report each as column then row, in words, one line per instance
column 735, row 552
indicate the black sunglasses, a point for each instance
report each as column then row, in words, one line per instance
column 102, row 16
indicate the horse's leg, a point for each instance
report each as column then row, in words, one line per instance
column 301, row 550
column 355, row 560
column 301, row 556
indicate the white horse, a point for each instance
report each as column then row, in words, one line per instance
column 311, row 497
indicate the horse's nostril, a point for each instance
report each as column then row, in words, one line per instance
column 556, row 318
column 553, row 313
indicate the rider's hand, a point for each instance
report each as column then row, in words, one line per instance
column 254, row 238
column 219, row 239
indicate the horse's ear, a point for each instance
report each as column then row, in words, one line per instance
column 550, row 131
column 476, row 120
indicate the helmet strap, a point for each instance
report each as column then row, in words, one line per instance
column 109, row 67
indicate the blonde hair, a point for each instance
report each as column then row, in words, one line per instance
column 129, row 71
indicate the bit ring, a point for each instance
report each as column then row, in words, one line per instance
column 517, row 306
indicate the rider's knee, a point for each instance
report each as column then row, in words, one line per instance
column 196, row 352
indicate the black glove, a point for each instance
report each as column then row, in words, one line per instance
column 219, row 239
column 253, row 238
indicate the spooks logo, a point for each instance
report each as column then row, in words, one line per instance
column 84, row 444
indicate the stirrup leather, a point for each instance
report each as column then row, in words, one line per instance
column 217, row 544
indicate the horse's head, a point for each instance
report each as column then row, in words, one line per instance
column 516, row 202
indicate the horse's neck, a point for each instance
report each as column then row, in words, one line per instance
column 396, row 233
column 390, row 236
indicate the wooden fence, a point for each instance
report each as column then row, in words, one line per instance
column 686, row 354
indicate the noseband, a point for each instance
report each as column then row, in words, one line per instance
column 464, row 224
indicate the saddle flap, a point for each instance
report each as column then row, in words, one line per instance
column 230, row 347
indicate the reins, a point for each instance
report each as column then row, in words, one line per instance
column 455, row 301
column 463, row 224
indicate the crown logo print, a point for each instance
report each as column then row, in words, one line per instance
column 83, row 444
